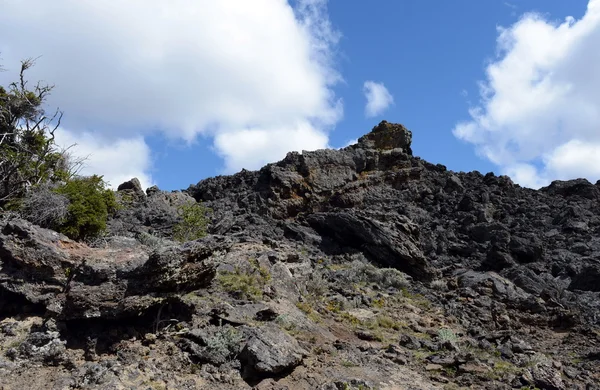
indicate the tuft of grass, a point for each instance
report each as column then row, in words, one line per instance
column 379, row 303
column 334, row 306
column 388, row 323
column 347, row 317
column 502, row 368
column 308, row 310
column 245, row 283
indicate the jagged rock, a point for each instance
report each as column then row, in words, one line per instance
column 72, row 281
column 155, row 213
column 514, row 271
column 547, row 377
column 578, row 187
column 388, row 136
column 269, row 351
column 409, row 342
column 386, row 245
column 133, row 186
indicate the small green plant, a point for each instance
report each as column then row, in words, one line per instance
column 305, row 307
column 450, row 371
column 417, row 299
column 347, row 363
column 379, row 303
column 352, row 320
column 245, row 282
column 308, row 310
column 90, row 203
column 334, row 306
column 153, row 241
column 446, row 334
column 388, row 323
column 502, row 369
column 193, row 224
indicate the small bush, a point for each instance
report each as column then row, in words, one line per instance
column 194, row 222
column 90, row 204
column 445, row 334
column 245, row 283
column 224, row 344
column 361, row 272
column 439, row 285
column 43, row 206
column 316, row 286
column 153, row 241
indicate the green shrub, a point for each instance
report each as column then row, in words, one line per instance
column 194, row 222
column 90, row 203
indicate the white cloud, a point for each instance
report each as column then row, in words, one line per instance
column 252, row 148
column 378, row 98
column 539, row 114
column 574, row 159
column 117, row 160
column 183, row 67
column 353, row 141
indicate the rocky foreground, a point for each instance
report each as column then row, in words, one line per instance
column 359, row 268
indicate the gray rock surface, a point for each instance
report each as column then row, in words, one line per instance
column 269, row 351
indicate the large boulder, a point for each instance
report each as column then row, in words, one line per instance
column 269, row 351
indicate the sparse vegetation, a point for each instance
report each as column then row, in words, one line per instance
column 308, row 310
column 153, row 241
column 194, row 222
column 502, row 368
column 362, row 273
column 446, row 334
column 44, row 206
column 388, row 322
column 224, row 342
column 439, row 285
column 245, row 282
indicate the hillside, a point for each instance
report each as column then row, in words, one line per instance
column 359, row 268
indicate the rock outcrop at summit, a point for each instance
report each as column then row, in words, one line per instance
column 364, row 267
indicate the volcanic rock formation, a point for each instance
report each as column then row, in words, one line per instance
column 364, row 267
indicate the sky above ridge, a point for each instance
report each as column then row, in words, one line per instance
column 174, row 92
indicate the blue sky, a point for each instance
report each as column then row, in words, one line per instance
column 174, row 108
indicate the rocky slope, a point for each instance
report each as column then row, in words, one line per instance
column 359, row 268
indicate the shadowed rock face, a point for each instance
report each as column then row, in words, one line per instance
column 71, row 281
column 279, row 293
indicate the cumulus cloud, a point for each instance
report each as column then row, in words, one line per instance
column 185, row 67
column 117, row 160
column 538, row 116
column 254, row 147
column 378, row 98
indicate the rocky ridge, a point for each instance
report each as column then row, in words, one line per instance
column 364, row 267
